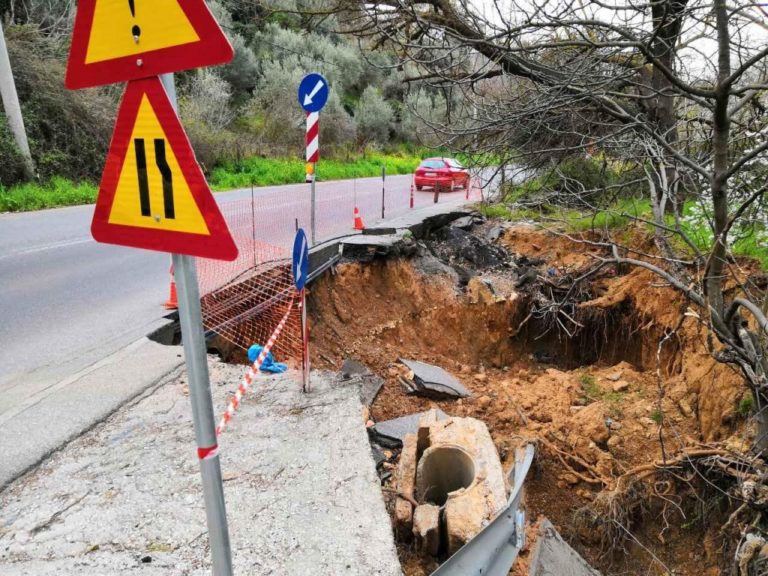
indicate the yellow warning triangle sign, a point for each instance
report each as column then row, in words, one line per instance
column 119, row 40
column 153, row 194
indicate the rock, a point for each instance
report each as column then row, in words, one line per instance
column 426, row 528
column 615, row 376
column 685, row 408
column 494, row 233
column 465, row 222
column 575, row 409
column 645, row 421
column 591, row 422
column 481, row 291
column 481, row 377
column 484, row 402
column 621, row 386
column 614, row 426
column 406, row 469
column 403, row 519
column 614, row 442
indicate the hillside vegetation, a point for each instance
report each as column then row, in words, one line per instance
column 239, row 117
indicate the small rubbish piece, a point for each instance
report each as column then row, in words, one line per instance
column 391, row 433
column 433, row 381
column 269, row 364
column 370, row 383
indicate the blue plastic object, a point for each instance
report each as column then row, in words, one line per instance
column 269, row 364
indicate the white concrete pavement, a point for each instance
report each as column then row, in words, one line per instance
column 300, row 485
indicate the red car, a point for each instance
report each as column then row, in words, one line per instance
column 442, row 173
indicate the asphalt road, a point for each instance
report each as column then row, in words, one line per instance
column 69, row 302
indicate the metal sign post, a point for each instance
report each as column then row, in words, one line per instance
column 158, row 41
column 313, row 94
column 300, row 271
column 192, row 336
column 313, row 202
column 307, row 385
column 383, row 179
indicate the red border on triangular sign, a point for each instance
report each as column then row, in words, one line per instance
column 212, row 48
column 219, row 244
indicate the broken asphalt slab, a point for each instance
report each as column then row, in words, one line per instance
column 370, row 383
column 300, row 486
column 429, row 380
column 391, row 433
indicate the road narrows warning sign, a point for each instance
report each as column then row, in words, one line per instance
column 153, row 194
column 119, row 40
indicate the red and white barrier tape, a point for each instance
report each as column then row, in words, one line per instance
column 251, row 374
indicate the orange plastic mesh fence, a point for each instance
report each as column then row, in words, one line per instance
column 248, row 310
column 244, row 300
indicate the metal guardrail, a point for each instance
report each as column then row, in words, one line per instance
column 493, row 551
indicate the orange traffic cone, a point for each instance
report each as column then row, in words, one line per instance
column 173, row 302
column 358, row 221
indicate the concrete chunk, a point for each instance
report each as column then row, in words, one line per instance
column 552, row 556
column 426, row 528
column 406, row 470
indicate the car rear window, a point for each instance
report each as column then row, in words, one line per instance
column 434, row 164
column 453, row 163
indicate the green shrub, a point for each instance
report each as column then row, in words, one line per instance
column 12, row 167
column 68, row 131
column 746, row 404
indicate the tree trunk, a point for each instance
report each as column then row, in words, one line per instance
column 12, row 108
column 721, row 131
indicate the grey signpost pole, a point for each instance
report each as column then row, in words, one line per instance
column 190, row 317
column 312, row 194
column 383, row 179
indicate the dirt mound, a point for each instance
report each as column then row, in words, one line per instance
column 633, row 382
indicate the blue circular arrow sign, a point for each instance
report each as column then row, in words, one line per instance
column 313, row 92
column 300, row 267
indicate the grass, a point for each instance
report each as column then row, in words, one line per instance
column 593, row 392
column 272, row 171
column 746, row 404
column 615, row 216
column 252, row 171
column 35, row 196
column 750, row 243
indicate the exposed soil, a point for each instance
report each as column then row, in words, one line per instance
column 590, row 391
